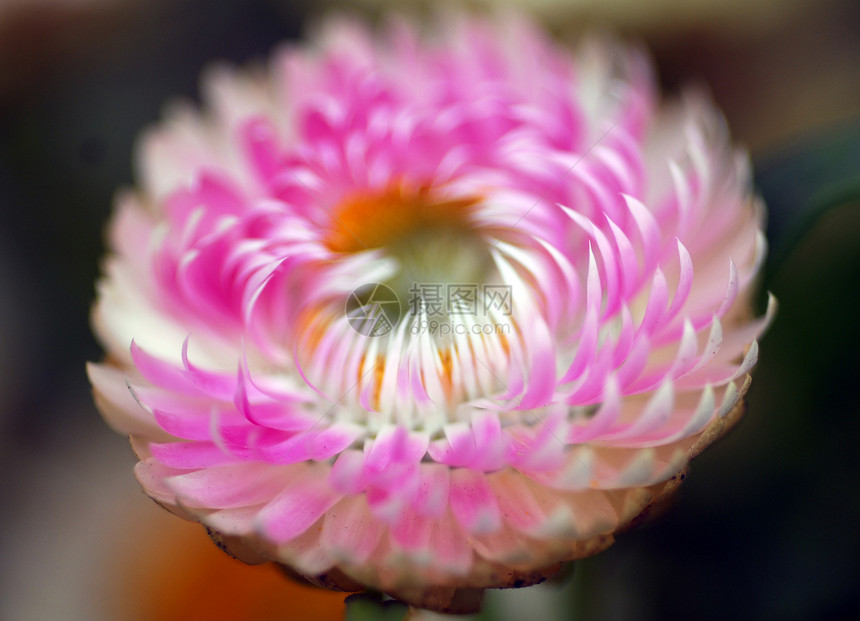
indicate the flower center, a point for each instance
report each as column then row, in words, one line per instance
column 366, row 221
column 431, row 237
column 439, row 323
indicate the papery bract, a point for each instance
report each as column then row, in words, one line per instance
column 610, row 243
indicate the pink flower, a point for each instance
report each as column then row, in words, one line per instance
column 564, row 318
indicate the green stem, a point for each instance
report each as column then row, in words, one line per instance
column 372, row 606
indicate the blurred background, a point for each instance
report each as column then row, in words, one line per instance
column 767, row 525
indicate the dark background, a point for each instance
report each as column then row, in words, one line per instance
column 767, row 525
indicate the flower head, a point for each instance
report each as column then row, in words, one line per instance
column 428, row 314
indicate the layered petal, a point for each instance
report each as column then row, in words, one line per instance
column 429, row 314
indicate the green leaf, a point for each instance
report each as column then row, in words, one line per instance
column 805, row 180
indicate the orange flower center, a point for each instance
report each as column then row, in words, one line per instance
column 365, row 221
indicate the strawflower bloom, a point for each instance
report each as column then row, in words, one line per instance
column 428, row 314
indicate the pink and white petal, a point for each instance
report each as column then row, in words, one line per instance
column 304, row 500
column 119, row 406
